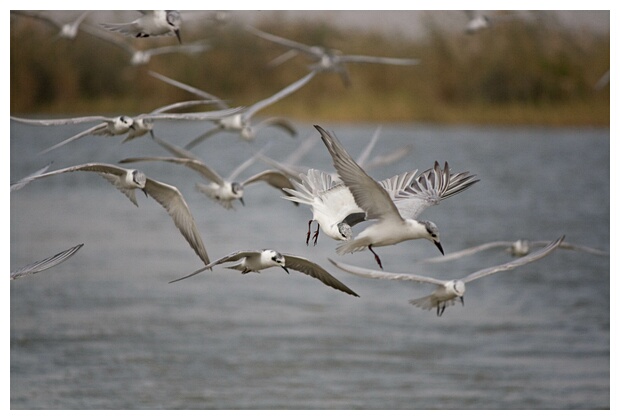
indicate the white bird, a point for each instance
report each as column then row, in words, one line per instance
column 168, row 196
column 255, row 261
column 139, row 57
column 151, row 23
column 223, row 190
column 45, row 264
column 391, row 227
column 448, row 291
column 327, row 59
column 333, row 206
column 518, row 248
column 477, row 21
column 66, row 30
column 241, row 121
column 106, row 126
column 123, row 124
column 335, row 209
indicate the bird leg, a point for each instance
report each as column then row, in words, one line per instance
column 316, row 234
column 308, row 234
column 377, row 259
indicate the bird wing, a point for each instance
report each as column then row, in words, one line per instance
column 111, row 173
column 234, row 256
column 384, row 275
column 45, row 263
column 272, row 177
column 511, row 265
column 573, row 247
column 251, row 110
column 312, row 269
column 283, row 123
column 201, row 93
column 62, row 121
column 379, row 60
column 175, row 150
column 368, row 193
column 18, row 185
column 171, row 199
column 363, row 157
column 79, row 135
column 282, row 41
column 429, row 189
column 469, row 251
column 195, row 116
column 203, row 137
column 195, row 165
column 388, row 158
column 186, row 49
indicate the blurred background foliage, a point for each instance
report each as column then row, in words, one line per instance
column 534, row 71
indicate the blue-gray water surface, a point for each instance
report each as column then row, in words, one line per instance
column 105, row 330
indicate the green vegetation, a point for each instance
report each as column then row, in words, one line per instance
column 516, row 73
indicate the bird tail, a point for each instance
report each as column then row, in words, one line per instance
column 311, row 184
column 354, row 245
column 427, row 302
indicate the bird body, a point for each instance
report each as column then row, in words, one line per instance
column 151, row 23
column 256, row 261
column 448, row 291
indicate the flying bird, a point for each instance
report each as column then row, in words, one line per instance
column 151, row 23
column 241, row 121
column 327, row 59
column 169, row 197
column 255, row 261
column 518, row 248
column 392, row 227
column 67, row 30
column 448, row 291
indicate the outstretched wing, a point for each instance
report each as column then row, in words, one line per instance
column 314, row 270
column 45, row 264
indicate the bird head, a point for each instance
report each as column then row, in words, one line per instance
column 278, row 259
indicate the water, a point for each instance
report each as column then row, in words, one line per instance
column 104, row 330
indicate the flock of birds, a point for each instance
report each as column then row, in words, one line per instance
column 338, row 201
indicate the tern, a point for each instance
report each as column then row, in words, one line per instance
column 518, row 248
column 67, row 30
column 391, row 227
column 168, row 196
column 327, row 59
column 151, row 23
column 335, row 209
column 223, row 190
column 143, row 56
column 448, row 291
column 45, row 264
column 255, row 261
column 123, row 124
column 241, row 121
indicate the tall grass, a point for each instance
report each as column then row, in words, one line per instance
column 520, row 72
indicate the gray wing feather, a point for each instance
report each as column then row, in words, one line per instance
column 171, row 199
column 45, row 264
column 368, row 193
column 314, row 270
column 195, row 165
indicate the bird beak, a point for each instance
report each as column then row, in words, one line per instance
column 438, row 245
column 242, row 203
column 285, row 269
column 462, row 301
column 178, row 34
column 152, row 134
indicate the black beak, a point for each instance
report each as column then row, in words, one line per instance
column 242, row 203
column 285, row 269
column 438, row 245
column 178, row 34
column 462, row 301
column 152, row 134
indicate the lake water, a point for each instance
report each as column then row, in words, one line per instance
column 105, row 330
